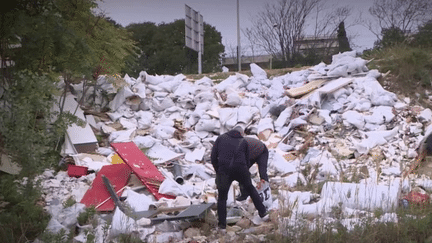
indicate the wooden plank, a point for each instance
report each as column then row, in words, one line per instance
column 299, row 91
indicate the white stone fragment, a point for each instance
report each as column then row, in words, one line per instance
column 425, row 115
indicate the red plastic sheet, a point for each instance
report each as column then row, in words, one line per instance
column 98, row 194
column 142, row 167
column 418, row 198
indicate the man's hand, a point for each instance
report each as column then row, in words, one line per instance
column 261, row 183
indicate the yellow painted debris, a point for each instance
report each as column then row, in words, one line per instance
column 115, row 159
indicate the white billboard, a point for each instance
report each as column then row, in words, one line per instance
column 194, row 29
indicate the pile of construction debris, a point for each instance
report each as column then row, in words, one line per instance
column 152, row 176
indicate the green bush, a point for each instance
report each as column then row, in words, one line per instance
column 423, row 38
column 22, row 220
column 86, row 216
column 25, row 121
column 410, row 65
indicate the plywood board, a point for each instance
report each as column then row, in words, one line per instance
column 98, row 194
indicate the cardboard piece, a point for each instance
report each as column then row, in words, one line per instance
column 118, row 175
column 142, row 167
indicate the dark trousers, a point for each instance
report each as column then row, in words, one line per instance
column 261, row 160
column 225, row 178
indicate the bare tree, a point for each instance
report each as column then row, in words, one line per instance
column 325, row 24
column 279, row 24
column 231, row 52
column 406, row 15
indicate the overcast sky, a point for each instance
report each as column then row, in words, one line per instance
column 222, row 14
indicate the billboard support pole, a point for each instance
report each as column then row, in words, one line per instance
column 200, row 47
column 238, row 37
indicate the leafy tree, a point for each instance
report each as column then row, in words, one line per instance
column 390, row 37
column 423, row 38
column 142, row 34
column 163, row 51
column 212, row 49
column 45, row 39
column 342, row 38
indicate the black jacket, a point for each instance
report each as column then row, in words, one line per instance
column 257, row 148
column 225, row 148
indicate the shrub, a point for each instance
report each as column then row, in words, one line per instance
column 22, row 219
column 410, row 65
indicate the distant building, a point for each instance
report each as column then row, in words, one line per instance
column 322, row 45
column 264, row 61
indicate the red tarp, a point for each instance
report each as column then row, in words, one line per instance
column 142, row 167
column 118, row 175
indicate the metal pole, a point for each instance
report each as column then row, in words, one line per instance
column 200, row 46
column 199, row 61
column 238, row 36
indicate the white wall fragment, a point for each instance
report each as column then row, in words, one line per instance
column 258, row 72
column 196, row 155
column 362, row 196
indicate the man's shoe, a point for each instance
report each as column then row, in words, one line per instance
column 264, row 214
column 242, row 197
column 221, row 230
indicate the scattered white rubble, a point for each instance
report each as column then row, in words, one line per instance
column 173, row 119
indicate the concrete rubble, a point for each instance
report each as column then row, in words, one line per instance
column 347, row 135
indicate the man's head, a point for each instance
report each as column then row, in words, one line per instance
column 239, row 129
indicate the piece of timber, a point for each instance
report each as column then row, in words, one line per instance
column 299, row 91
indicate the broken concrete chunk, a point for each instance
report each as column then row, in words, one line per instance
column 258, row 72
column 6, row 165
column 425, row 115
column 316, row 120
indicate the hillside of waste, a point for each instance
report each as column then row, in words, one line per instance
column 337, row 140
